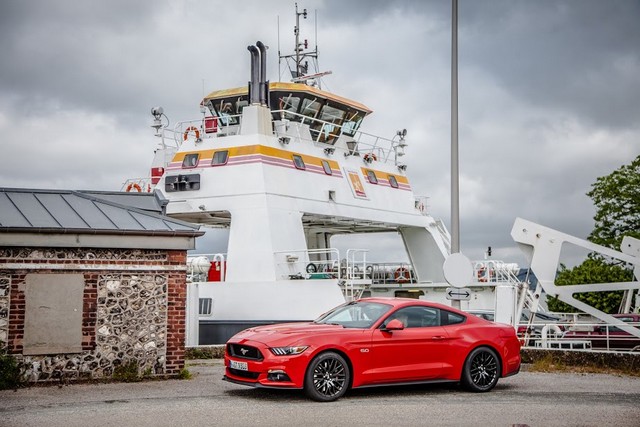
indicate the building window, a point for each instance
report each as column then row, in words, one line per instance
column 371, row 176
column 298, row 162
column 205, row 305
column 327, row 168
column 220, row 158
column 393, row 181
column 190, row 160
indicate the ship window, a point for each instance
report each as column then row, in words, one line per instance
column 393, row 181
column 205, row 306
column 228, row 109
column 190, row 160
column 220, row 158
column 333, row 116
column 298, row 162
column 371, row 175
column 352, row 123
column 310, row 107
column 327, row 168
column 289, row 104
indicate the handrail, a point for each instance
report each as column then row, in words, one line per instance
column 333, row 130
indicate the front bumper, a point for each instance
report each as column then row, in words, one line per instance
column 267, row 370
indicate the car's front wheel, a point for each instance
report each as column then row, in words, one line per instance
column 481, row 370
column 327, row 377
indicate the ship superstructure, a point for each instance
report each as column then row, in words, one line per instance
column 285, row 166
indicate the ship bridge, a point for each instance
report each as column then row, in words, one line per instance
column 328, row 115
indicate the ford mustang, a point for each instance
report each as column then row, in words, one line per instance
column 374, row 342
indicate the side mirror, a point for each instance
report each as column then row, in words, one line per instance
column 394, row 325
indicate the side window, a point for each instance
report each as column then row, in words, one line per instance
column 220, row 158
column 351, row 123
column 449, row 318
column 371, row 176
column 416, row 317
column 327, row 168
column 205, row 305
column 298, row 162
column 190, row 161
column 310, row 107
column 289, row 104
column 393, row 181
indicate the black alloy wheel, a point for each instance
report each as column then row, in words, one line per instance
column 481, row 370
column 327, row 377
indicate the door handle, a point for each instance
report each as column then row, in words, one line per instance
column 437, row 338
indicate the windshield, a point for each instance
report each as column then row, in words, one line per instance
column 357, row 314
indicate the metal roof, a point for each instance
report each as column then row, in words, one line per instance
column 56, row 211
column 291, row 87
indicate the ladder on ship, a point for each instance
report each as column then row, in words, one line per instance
column 354, row 278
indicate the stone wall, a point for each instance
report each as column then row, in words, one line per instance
column 133, row 309
column 5, row 285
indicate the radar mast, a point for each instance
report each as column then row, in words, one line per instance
column 298, row 62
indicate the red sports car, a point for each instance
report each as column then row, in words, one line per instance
column 373, row 342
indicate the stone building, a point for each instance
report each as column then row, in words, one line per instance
column 90, row 281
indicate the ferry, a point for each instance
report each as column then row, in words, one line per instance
column 286, row 166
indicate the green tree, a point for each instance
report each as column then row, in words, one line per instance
column 617, row 201
column 593, row 270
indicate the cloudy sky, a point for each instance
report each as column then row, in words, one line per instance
column 549, row 92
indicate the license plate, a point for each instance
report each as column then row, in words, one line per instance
column 241, row 366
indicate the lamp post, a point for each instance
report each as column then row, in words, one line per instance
column 455, row 205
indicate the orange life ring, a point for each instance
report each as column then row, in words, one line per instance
column 189, row 129
column 133, row 185
column 481, row 275
column 370, row 157
column 402, row 275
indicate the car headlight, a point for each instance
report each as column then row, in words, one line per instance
column 288, row 351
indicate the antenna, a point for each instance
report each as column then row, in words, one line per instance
column 298, row 62
column 279, row 57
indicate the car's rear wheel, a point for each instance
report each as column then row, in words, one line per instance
column 327, row 377
column 481, row 370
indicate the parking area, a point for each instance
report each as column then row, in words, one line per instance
column 528, row 398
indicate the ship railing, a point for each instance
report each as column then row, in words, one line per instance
column 579, row 336
column 206, row 127
column 495, row 271
column 327, row 133
column 390, row 273
column 137, row 185
column 420, row 203
column 303, row 264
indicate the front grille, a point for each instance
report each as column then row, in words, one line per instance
column 244, row 374
column 244, row 352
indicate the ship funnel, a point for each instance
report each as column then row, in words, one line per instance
column 254, row 84
column 264, row 84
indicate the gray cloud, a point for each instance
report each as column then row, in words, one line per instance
column 548, row 92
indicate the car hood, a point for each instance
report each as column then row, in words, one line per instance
column 277, row 333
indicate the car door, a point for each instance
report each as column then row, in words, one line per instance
column 411, row 354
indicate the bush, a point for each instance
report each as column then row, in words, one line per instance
column 127, row 372
column 10, row 373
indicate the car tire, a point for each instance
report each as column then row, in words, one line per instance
column 327, row 378
column 481, row 370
